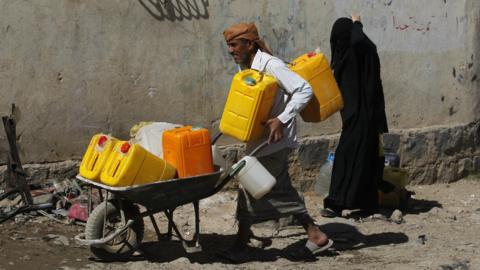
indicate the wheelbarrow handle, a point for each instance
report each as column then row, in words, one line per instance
column 216, row 137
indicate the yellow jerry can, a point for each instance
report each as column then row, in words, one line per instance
column 94, row 159
column 327, row 99
column 130, row 164
column 396, row 176
column 248, row 105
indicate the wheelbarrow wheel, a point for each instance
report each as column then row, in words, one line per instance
column 122, row 246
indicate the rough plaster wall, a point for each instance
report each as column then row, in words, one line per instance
column 77, row 67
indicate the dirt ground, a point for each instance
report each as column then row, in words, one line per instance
column 440, row 231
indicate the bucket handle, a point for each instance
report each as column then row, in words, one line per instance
column 258, row 148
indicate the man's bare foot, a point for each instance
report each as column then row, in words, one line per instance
column 316, row 236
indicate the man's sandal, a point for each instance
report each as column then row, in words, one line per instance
column 309, row 251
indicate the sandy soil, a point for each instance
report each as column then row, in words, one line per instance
column 441, row 231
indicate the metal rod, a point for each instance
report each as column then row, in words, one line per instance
column 155, row 226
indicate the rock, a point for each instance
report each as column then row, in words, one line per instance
column 57, row 239
column 181, row 260
column 397, row 216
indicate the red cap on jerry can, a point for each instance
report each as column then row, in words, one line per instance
column 102, row 140
column 125, row 147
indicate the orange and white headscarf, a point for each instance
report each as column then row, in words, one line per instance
column 246, row 31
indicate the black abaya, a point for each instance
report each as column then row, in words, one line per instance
column 356, row 168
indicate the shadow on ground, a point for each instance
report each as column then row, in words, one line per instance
column 421, row 206
column 345, row 236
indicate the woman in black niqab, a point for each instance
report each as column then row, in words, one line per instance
column 357, row 170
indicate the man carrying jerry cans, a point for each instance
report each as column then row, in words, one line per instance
column 250, row 52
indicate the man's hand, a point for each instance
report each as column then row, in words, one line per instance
column 276, row 130
column 355, row 17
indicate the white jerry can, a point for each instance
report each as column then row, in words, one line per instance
column 254, row 178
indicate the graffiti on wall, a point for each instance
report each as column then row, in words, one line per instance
column 176, row 10
column 410, row 26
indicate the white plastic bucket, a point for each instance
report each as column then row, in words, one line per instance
column 254, row 178
column 150, row 137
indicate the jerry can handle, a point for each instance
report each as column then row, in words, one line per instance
column 216, row 137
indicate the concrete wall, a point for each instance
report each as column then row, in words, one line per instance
column 78, row 67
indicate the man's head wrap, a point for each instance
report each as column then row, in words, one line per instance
column 246, row 31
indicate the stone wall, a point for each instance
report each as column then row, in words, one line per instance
column 431, row 155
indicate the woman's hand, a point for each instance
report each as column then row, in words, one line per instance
column 355, row 17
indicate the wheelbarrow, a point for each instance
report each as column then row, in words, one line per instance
column 115, row 228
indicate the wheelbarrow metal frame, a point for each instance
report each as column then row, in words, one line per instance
column 163, row 196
